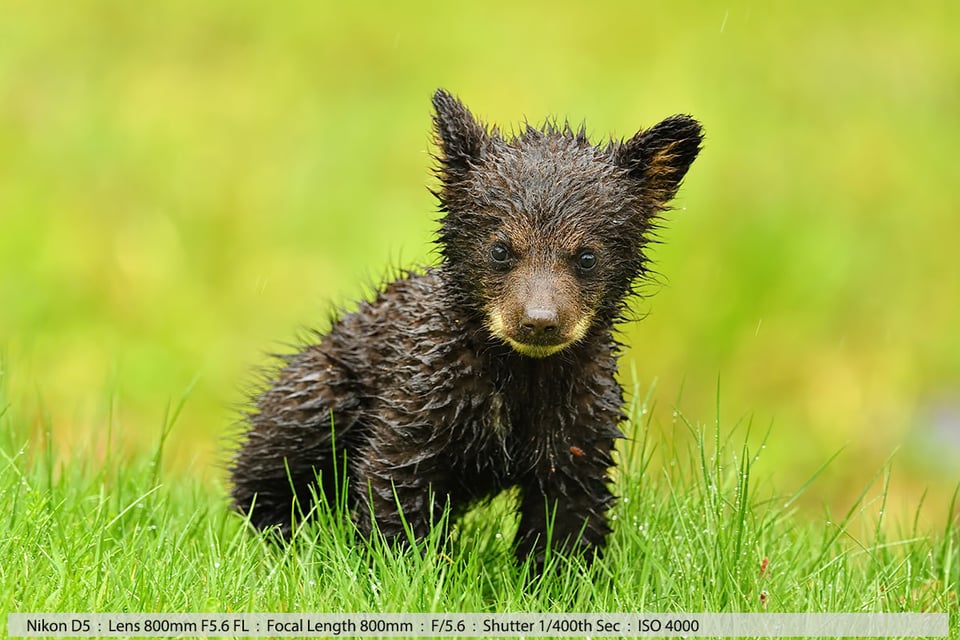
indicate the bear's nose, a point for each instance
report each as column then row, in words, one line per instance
column 540, row 321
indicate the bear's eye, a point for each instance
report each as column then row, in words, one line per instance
column 587, row 260
column 500, row 254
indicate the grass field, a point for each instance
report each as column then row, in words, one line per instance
column 123, row 536
column 185, row 186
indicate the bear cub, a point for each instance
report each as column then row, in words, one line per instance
column 493, row 369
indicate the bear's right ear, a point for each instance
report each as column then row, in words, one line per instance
column 460, row 137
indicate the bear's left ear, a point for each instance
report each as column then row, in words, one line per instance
column 460, row 136
column 659, row 157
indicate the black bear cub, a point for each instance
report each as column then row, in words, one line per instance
column 495, row 368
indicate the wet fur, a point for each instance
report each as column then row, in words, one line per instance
column 494, row 369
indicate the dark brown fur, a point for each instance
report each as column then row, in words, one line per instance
column 494, row 369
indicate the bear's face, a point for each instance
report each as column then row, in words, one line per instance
column 544, row 231
column 543, row 227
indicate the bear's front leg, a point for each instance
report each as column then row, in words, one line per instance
column 398, row 497
column 564, row 505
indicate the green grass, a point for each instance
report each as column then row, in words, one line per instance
column 691, row 535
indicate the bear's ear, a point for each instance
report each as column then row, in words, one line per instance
column 659, row 157
column 460, row 136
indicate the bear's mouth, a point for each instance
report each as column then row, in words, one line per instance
column 536, row 341
column 536, row 350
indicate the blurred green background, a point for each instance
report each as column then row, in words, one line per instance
column 185, row 186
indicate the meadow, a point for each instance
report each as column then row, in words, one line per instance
column 185, row 188
column 124, row 536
